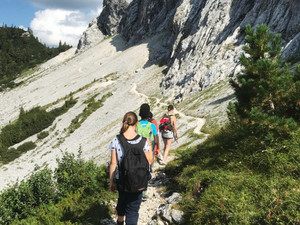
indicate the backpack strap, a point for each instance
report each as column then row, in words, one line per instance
column 125, row 144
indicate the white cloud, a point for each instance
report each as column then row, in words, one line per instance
column 54, row 25
column 67, row 4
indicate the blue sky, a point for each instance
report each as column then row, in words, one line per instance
column 51, row 20
column 16, row 12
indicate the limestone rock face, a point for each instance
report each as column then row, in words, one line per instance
column 111, row 15
column 90, row 37
column 208, row 44
column 202, row 39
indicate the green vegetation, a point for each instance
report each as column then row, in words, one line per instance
column 249, row 172
column 92, row 106
column 28, row 123
column 75, row 193
column 111, row 76
column 20, row 50
column 8, row 155
column 43, row 135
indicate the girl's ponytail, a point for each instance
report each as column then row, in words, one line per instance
column 129, row 119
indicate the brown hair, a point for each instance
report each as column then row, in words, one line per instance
column 170, row 107
column 129, row 119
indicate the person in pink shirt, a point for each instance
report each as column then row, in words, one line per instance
column 156, row 147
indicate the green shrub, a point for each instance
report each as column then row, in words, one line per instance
column 43, row 187
column 9, row 154
column 73, row 174
column 16, row 203
column 26, row 147
column 43, row 135
column 75, row 193
column 28, row 123
column 20, row 201
column 76, row 208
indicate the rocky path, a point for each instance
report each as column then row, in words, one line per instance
column 157, row 208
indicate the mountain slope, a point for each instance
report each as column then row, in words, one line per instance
column 109, row 69
column 202, row 39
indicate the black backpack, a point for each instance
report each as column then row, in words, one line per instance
column 134, row 168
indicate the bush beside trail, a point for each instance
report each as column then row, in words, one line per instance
column 234, row 179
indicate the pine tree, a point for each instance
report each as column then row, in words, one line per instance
column 267, row 89
column 266, row 82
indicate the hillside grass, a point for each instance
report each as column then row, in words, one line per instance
column 235, row 178
column 28, row 123
column 92, row 106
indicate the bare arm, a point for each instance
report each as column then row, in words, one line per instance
column 112, row 170
column 149, row 153
column 173, row 119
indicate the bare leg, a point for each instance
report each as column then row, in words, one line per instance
column 167, row 147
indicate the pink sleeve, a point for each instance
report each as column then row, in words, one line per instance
column 155, row 123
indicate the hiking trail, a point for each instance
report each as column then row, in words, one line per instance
column 157, row 191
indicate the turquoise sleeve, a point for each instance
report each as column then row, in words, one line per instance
column 154, row 129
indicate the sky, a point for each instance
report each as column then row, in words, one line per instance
column 51, row 20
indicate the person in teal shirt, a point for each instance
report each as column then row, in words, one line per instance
column 146, row 128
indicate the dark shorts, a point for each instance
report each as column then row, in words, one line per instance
column 128, row 206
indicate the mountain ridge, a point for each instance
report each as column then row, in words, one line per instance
column 202, row 39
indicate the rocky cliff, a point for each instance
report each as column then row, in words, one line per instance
column 201, row 39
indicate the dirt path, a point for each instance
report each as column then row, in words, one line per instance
column 156, row 192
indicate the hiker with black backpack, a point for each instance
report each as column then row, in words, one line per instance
column 168, row 128
column 129, row 172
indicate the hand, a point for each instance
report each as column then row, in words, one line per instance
column 112, row 186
